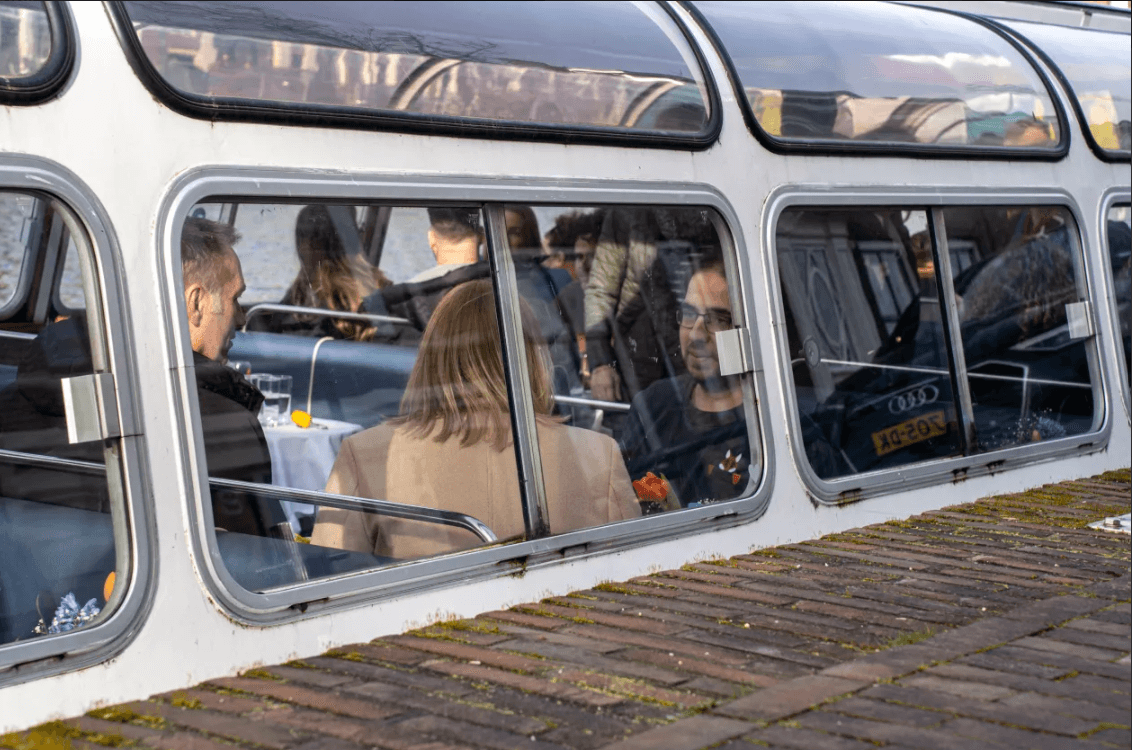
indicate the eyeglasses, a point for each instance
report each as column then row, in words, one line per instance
column 715, row 319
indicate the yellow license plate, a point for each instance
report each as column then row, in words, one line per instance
column 923, row 427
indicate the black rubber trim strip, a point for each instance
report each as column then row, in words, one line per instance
column 1102, row 153
column 239, row 110
column 885, row 149
column 48, row 81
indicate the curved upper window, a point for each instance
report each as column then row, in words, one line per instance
column 871, row 75
column 34, row 53
column 1096, row 69
column 498, row 68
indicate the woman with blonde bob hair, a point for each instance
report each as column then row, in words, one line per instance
column 451, row 446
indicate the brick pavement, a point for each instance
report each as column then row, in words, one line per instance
column 1003, row 623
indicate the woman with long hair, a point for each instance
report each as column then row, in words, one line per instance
column 328, row 278
column 451, row 446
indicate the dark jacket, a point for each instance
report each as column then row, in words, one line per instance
column 34, row 421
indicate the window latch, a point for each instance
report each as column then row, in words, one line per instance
column 1080, row 318
column 734, row 350
column 91, row 407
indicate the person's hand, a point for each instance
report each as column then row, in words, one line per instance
column 605, row 383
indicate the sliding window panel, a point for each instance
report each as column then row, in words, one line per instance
column 622, row 306
column 1024, row 324
column 866, row 338
column 353, row 407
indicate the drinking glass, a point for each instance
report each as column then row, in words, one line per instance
column 268, row 386
column 283, row 399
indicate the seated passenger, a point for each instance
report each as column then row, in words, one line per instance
column 689, row 433
column 235, row 447
column 454, row 236
column 329, row 278
column 451, row 447
column 234, row 443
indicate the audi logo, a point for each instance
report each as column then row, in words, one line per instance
column 913, row 399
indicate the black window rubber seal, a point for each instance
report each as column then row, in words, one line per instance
column 325, row 116
column 46, row 83
column 821, row 147
column 1102, row 153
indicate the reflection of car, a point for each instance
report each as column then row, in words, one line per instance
column 1027, row 374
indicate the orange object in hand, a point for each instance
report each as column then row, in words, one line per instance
column 301, row 418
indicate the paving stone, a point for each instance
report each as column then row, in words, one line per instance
column 1066, row 706
column 987, row 660
column 883, row 711
column 439, row 726
column 1009, row 737
column 878, row 731
column 1086, row 653
column 964, row 687
column 377, row 673
column 798, row 738
column 1070, row 664
column 790, row 697
column 229, row 727
column 314, row 677
column 524, row 682
column 508, row 721
column 1093, row 625
column 688, row 734
column 1121, row 643
column 697, row 666
column 322, row 700
column 181, row 741
column 315, row 723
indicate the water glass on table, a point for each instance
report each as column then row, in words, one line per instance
column 265, row 383
column 283, row 399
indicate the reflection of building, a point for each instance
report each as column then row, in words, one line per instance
column 28, row 29
column 208, row 64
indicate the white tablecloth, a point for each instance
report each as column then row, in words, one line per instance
column 302, row 458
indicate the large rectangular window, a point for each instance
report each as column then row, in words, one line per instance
column 372, row 377
column 901, row 354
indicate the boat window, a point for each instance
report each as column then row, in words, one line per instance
column 873, row 350
column 36, row 50
column 619, row 67
column 25, row 41
column 629, row 301
column 1120, row 257
column 354, row 400
column 63, row 568
column 1097, row 72
column 863, row 75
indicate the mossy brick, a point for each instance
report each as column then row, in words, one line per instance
column 797, row 738
column 894, row 713
column 416, row 680
column 321, row 700
column 790, row 697
column 881, row 732
column 492, row 657
column 556, row 690
column 442, row 706
column 993, row 734
column 319, row 724
column 687, row 734
column 223, row 725
column 315, row 677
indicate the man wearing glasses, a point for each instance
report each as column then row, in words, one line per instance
column 685, row 440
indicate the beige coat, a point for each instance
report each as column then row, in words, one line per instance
column 586, row 485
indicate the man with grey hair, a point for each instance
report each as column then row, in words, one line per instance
column 234, row 443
